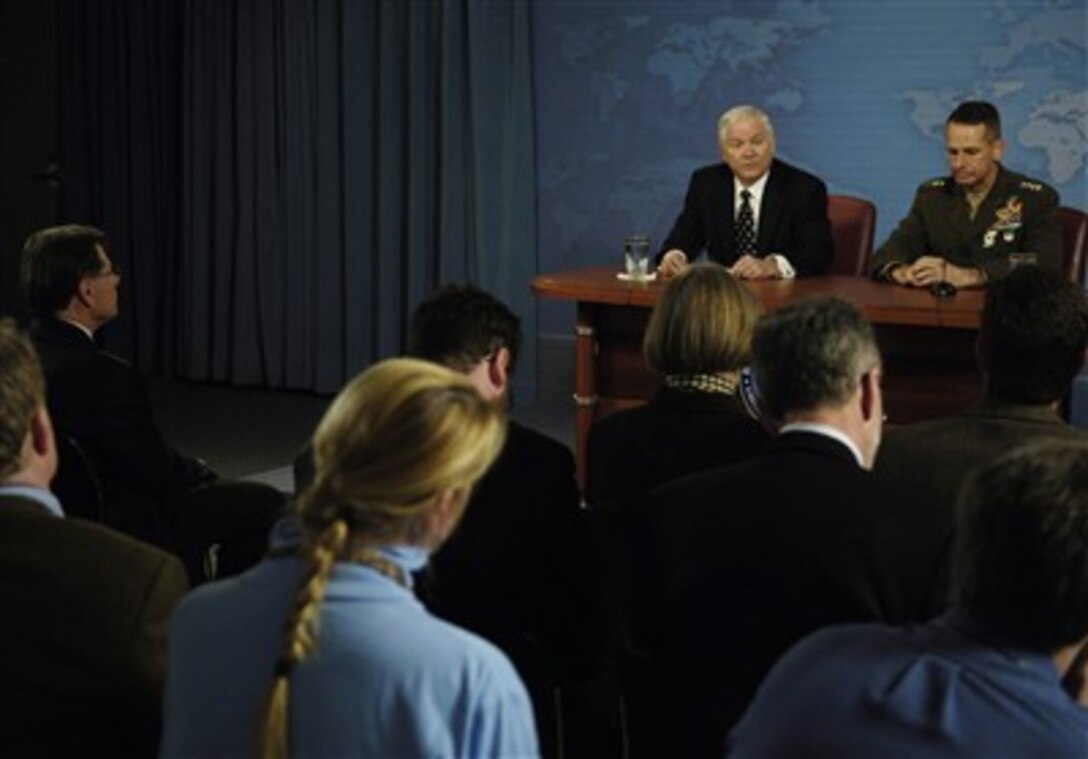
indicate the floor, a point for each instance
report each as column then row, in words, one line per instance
column 255, row 434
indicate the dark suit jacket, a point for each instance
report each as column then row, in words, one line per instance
column 633, row 451
column 929, row 461
column 792, row 218
column 83, row 633
column 102, row 401
column 678, row 432
column 735, row 565
column 514, row 571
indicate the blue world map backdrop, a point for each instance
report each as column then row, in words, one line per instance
column 628, row 95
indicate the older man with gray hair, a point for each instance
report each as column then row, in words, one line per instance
column 734, row 565
column 753, row 213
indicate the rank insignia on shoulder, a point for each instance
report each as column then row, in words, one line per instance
column 1033, row 186
column 937, row 183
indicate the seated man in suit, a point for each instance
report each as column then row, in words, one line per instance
column 1031, row 346
column 753, row 213
column 150, row 490
column 85, row 608
column 734, row 565
column 514, row 572
column 985, row 678
column 962, row 228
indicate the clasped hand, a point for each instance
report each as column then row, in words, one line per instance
column 746, row 267
column 929, row 270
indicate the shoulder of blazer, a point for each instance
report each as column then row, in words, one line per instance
column 811, row 442
column 712, row 175
column 53, row 331
column 783, row 174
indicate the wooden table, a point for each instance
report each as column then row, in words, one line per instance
column 927, row 342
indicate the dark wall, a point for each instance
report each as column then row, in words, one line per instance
column 28, row 131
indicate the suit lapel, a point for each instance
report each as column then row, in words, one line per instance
column 770, row 210
column 725, row 203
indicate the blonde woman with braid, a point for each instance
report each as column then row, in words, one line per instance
column 325, row 651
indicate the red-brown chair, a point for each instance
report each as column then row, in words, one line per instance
column 852, row 223
column 1074, row 241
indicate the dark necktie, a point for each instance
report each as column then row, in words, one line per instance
column 746, row 226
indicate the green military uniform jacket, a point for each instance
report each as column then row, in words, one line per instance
column 1018, row 215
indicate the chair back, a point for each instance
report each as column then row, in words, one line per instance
column 76, row 483
column 1074, row 241
column 853, row 221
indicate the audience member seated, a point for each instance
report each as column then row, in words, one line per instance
column 1031, row 346
column 734, row 565
column 985, row 678
column 85, row 608
column 698, row 338
column 150, row 490
column 515, row 570
column 324, row 650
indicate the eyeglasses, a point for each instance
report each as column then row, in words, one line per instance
column 114, row 270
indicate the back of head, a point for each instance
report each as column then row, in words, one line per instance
column 54, row 260
column 1033, row 335
column 702, row 324
column 974, row 112
column 460, row 325
column 394, row 438
column 22, row 392
column 811, row 354
column 1020, row 563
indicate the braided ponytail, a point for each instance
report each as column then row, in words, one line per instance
column 299, row 638
column 397, row 438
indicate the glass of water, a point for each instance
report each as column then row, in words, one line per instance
column 636, row 256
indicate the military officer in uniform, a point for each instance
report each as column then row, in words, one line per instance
column 962, row 228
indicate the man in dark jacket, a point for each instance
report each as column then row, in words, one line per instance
column 961, row 229
column 151, row 491
column 85, row 608
column 759, row 216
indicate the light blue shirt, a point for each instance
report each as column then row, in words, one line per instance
column 387, row 678
column 30, row 492
column 943, row 690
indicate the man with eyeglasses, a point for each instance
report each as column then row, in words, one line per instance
column 97, row 399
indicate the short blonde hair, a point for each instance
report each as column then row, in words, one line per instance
column 702, row 324
column 397, row 439
column 397, row 435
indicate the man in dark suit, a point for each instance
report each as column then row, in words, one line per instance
column 734, row 565
column 1031, row 346
column 753, row 213
column 514, row 571
column 85, row 608
column 151, row 491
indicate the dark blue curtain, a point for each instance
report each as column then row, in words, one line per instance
column 283, row 180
